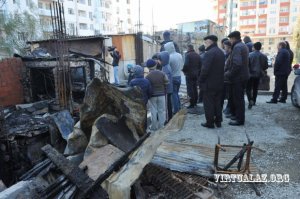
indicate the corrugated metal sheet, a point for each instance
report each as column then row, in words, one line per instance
column 194, row 159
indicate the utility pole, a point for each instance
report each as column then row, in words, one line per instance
column 230, row 15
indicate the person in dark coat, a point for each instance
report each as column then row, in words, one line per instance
column 191, row 70
column 282, row 69
column 167, row 39
column 115, row 54
column 201, row 53
column 248, row 43
column 212, row 82
column 258, row 63
column 141, row 82
column 238, row 75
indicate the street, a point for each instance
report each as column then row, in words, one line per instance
column 274, row 128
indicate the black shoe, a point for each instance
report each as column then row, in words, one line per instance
column 190, row 106
column 233, row 118
column 272, row 101
column 210, row 126
column 218, row 124
column 236, row 123
column 250, row 104
column 228, row 115
column 282, row 101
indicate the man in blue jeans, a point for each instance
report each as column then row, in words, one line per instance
column 116, row 58
column 176, row 63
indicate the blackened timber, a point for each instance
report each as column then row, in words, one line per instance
column 72, row 172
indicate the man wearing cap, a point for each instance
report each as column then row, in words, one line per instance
column 212, row 82
column 238, row 75
column 157, row 103
column 191, row 70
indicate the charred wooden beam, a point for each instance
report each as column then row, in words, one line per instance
column 72, row 172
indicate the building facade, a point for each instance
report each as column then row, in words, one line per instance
column 267, row 21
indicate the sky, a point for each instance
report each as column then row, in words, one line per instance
column 168, row 13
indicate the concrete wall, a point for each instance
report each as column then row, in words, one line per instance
column 11, row 89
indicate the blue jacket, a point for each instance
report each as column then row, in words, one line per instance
column 141, row 82
column 282, row 63
column 164, row 57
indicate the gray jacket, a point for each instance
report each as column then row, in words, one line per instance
column 258, row 62
column 176, row 61
column 238, row 61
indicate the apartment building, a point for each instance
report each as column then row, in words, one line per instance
column 267, row 21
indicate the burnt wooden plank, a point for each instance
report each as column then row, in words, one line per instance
column 72, row 172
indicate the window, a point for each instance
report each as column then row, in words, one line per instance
column 91, row 15
column 70, row 11
column 128, row 1
column 81, row 1
column 271, row 41
column 283, row 29
column 284, row 1
column 272, row 20
column 129, row 21
column 40, row 4
column 284, row 9
column 283, row 19
column 128, row 11
column 295, row 9
column 262, row 11
column 294, row 19
column 273, row 11
column 262, row 2
column 118, row 10
column 47, row 6
column 81, row 13
column 262, row 31
column 90, row 2
column 273, row 1
column 271, row 31
column 83, row 26
column 91, row 27
column 262, row 21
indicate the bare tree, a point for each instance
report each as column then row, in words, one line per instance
column 2, row 2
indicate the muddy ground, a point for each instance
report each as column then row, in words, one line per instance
column 274, row 128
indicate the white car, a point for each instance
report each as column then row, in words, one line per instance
column 295, row 93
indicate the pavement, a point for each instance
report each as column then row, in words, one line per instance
column 274, row 128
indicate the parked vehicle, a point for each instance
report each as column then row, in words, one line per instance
column 295, row 93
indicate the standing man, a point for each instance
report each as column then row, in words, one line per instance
column 115, row 54
column 248, row 42
column 238, row 75
column 158, row 81
column 191, row 70
column 164, row 60
column 176, row 63
column 282, row 69
column 258, row 63
column 167, row 39
column 201, row 53
column 212, row 82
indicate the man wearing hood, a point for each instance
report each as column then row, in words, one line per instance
column 248, row 43
column 141, row 82
column 191, row 70
column 167, row 39
column 176, row 63
column 212, row 82
column 164, row 59
column 237, row 75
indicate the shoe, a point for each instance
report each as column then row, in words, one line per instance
column 282, row 101
column 228, row 115
column 233, row 118
column 190, row 106
column 236, row 123
column 250, row 104
column 272, row 101
column 210, row 126
column 218, row 124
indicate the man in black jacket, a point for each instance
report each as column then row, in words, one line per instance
column 115, row 54
column 212, row 82
column 282, row 69
column 258, row 63
column 238, row 75
column 191, row 70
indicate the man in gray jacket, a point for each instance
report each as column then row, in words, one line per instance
column 258, row 63
column 238, row 75
column 176, row 63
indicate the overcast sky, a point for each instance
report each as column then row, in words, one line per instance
column 168, row 13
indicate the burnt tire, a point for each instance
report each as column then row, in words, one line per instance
column 293, row 97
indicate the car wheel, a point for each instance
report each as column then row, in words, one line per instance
column 294, row 97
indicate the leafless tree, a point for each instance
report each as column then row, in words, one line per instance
column 2, row 2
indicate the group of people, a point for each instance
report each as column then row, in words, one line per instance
column 220, row 73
